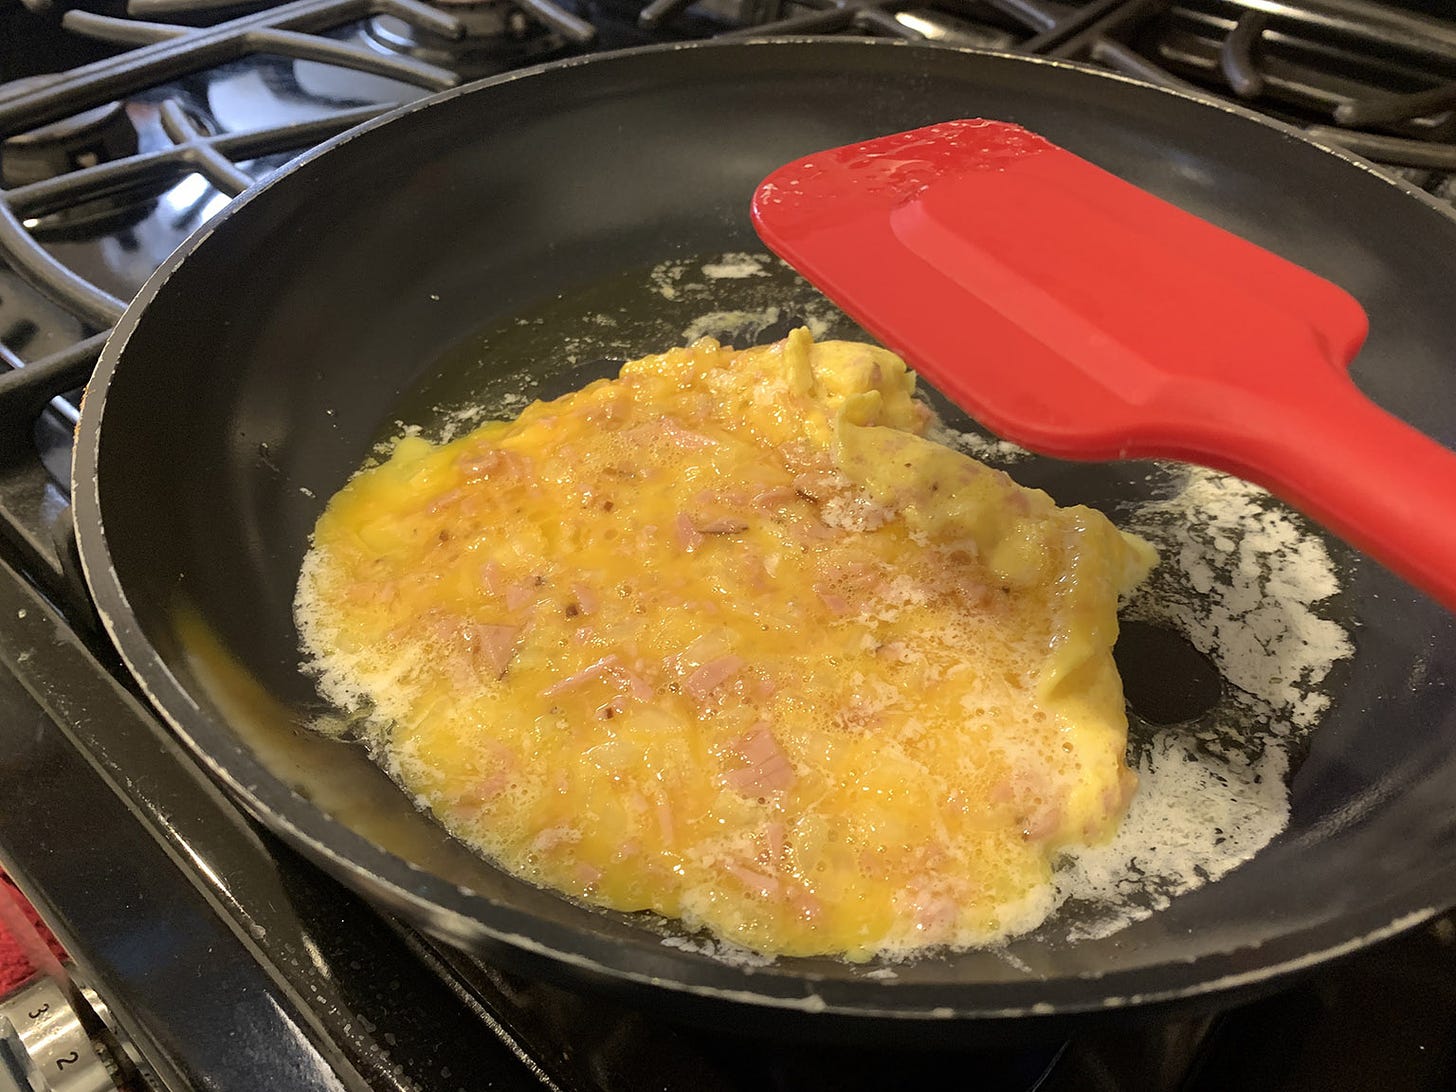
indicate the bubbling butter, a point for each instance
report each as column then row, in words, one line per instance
column 729, row 639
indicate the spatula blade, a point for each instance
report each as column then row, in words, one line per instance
column 1061, row 306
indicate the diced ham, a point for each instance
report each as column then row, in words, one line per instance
column 1042, row 823
column 705, row 646
column 636, row 685
column 755, row 573
column 767, row 769
column 478, row 464
column 496, row 645
column 806, row 906
column 973, row 592
column 491, row 578
column 935, row 917
column 552, row 837
column 767, row 886
column 503, row 754
column 445, row 500
column 689, row 538
column 816, row 486
column 832, row 600
column 586, row 874
column 773, row 835
column 586, row 599
column 608, row 409
column 709, row 499
column 775, row 496
column 711, row 675
column 759, row 746
column 722, row 525
column 519, row 594
column 813, row 529
column 582, row 677
column 487, row 788
column 684, row 439
column 775, row 775
column 492, row 463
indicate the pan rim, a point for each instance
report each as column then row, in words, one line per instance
column 465, row 916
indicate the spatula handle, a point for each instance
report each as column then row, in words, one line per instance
column 1381, row 485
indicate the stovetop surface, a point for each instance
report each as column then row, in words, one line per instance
column 227, row 961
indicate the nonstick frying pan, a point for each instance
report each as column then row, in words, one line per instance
column 454, row 248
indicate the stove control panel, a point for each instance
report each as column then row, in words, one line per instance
column 46, row 1047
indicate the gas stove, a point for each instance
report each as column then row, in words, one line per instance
column 205, row 954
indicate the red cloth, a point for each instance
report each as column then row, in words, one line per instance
column 15, row 966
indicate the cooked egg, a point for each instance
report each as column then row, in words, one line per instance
column 732, row 639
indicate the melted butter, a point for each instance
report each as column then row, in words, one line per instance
column 729, row 639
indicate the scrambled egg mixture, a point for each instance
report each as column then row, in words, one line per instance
column 730, row 639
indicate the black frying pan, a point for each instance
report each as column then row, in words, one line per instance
column 260, row 364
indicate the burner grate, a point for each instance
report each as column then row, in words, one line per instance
column 165, row 51
column 1377, row 81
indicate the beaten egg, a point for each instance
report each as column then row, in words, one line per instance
column 732, row 638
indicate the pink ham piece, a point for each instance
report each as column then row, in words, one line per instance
column 518, row 595
column 892, row 650
column 722, row 525
column 767, row 886
column 833, row 601
column 817, row 486
column 773, row 835
column 446, row 501
column 582, row 677
column 496, row 645
column 689, row 538
column 935, row 917
column 813, row 529
column 684, row 439
column 586, row 599
column 708, row 515
column 636, row 685
column 490, row 577
column 767, row 768
column 713, row 674
column 1042, row 823
column 806, row 906
column 586, row 874
column 493, row 464
column 774, row 497
column 552, row 837
column 468, row 805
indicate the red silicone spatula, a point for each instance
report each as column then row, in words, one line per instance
column 1082, row 317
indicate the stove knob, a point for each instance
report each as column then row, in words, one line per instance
column 17, row 1074
column 44, row 1047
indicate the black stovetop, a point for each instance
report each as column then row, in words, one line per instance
column 226, row 961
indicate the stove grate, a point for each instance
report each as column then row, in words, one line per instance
column 165, row 51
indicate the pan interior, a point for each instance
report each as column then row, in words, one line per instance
column 400, row 276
